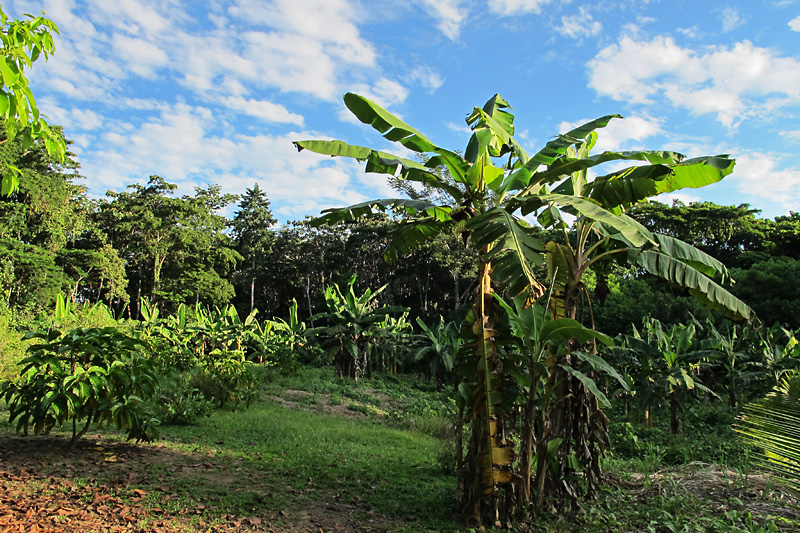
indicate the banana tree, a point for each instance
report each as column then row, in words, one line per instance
column 496, row 183
column 353, row 323
column 440, row 345
column 671, row 358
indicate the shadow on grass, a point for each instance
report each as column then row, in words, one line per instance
column 266, row 468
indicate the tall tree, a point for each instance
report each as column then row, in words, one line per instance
column 155, row 233
column 45, row 214
column 24, row 42
column 485, row 205
column 252, row 232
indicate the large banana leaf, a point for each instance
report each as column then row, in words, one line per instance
column 700, row 286
column 675, row 248
column 401, row 206
column 385, row 163
column 396, row 130
column 635, row 233
column 514, row 251
column 631, row 185
column 565, row 166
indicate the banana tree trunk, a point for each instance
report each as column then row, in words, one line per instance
column 574, row 432
column 486, row 494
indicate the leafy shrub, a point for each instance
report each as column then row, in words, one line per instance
column 177, row 401
column 96, row 374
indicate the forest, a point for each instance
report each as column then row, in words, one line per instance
column 512, row 343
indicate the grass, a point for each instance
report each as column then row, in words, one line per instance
column 321, row 452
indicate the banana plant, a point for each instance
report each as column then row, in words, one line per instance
column 670, row 363
column 495, row 184
column 440, row 345
column 732, row 346
column 353, row 323
column 781, row 353
column 538, row 337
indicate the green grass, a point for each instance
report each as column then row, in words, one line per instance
column 386, row 465
column 391, row 470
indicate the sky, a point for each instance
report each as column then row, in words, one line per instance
column 214, row 92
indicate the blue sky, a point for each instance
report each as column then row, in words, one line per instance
column 214, row 92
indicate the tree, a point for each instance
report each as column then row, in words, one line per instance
column 354, row 323
column 23, row 42
column 487, row 205
column 156, row 233
column 252, row 232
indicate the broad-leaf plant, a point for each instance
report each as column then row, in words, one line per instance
column 497, row 195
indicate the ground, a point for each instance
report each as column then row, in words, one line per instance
column 204, row 481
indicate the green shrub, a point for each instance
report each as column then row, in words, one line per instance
column 177, row 401
column 92, row 374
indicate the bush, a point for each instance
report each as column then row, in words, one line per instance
column 92, row 374
column 178, row 401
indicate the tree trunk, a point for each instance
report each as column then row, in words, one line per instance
column 485, row 491
column 674, row 421
column 252, row 283
column 572, row 425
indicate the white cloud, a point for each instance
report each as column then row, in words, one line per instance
column 427, row 77
column 266, row 111
column 384, row 92
column 513, row 7
column 449, row 14
column 78, row 119
column 734, row 82
column 140, row 56
column 793, row 135
column 579, row 25
column 183, row 144
column 731, row 19
column 322, row 21
column 794, row 24
column 758, row 176
column 459, row 127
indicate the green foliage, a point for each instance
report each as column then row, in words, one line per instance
column 354, row 327
column 212, row 341
column 23, row 42
column 175, row 249
column 253, row 237
column 439, row 346
column 773, row 424
column 96, row 374
column 487, row 202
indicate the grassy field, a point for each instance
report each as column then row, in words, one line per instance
column 318, row 453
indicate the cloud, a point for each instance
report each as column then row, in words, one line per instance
column 140, row 56
column 513, row 7
column 449, row 14
column 184, row 145
column 731, row 19
column 758, row 176
column 794, row 24
column 427, row 77
column 266, row 111
column 793, row 135
column 384, row 92
column 734, row 83
column 580, row 25
column 78, row 119
column 302, row 46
